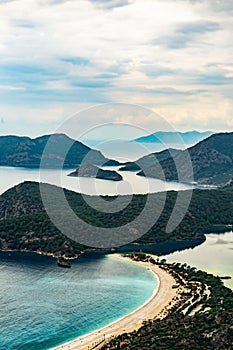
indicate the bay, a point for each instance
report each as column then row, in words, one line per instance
column 131, row 184
column 43, row 305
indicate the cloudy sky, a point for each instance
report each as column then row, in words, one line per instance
column 58, row 57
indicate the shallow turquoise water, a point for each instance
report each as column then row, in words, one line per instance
column 43, row 305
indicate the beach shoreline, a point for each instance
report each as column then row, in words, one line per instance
column 162, row 296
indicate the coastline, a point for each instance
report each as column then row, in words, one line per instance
column 41, row 253
column 163, row 295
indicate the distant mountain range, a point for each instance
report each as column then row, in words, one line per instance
column 212, row 162
column 169, row 137
column 19, row 151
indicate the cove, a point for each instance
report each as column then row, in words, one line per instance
column 43, row 305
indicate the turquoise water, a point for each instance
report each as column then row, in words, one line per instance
column 43, row 305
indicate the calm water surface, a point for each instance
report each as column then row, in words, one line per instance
column 215, row 256
column 43, row 305
column 131, row 183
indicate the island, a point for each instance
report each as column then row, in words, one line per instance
column 90, row 170
column 62, row 262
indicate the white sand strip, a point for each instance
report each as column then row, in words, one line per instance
column 151, row 308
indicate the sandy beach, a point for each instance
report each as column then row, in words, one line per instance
column 162, row 296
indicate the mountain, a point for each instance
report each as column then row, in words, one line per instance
column 19, row 151
column 212, row 162
column 25, row 225
column 170, row 137
column 145, row 162
column 90, row 170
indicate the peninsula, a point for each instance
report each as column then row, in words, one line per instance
column 211, row 160
column 25, row 225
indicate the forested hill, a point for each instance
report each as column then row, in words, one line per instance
column 212, row 162
column 25, row 226
column 145, row 162
column 19, row 151
column 90, row 170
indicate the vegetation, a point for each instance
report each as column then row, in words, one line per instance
column 199, row 318
column 150, row 159
column 90, row 170
column 211, row 159
column 201, row 315
column 25, row 225
column 26, row 152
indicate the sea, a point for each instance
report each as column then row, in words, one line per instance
column 119, row 150
column 131, row 183
column 42, row 305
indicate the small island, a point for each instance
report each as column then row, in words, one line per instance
column 62, row 262
column 90, row 170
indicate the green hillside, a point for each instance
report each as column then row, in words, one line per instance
column 26, row 152
column 211, row 159
column 24, row 224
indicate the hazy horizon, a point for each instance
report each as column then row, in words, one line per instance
column 59, row 58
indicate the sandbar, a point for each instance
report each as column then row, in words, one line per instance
column 162, row 297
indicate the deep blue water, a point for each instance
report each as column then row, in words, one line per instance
column 43, row 305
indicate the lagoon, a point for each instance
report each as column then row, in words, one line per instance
column 214, row 256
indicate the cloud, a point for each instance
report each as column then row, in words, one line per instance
column 22, row 23
column 11, row 88
column 161, row 54
column 78, row 61
column 5, row 1
column 157, row 70
column 214, row 79
column 111, row 4
column 225, row 6
column 188, row 34
column 105, row 4
column 198, row 27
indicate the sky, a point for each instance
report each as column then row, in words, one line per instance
column 171, row 58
